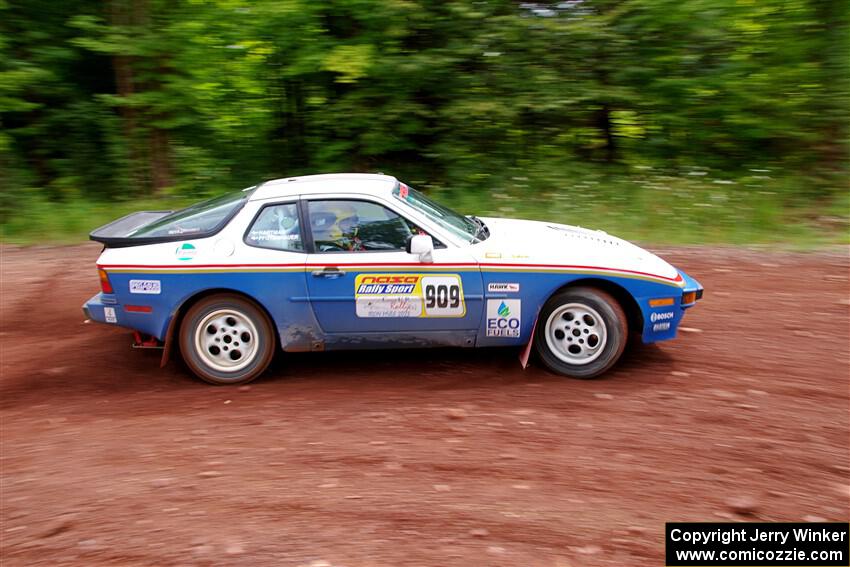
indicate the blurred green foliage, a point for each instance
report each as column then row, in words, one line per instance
column 731, row 115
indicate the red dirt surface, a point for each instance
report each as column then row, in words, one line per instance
column 443, row 458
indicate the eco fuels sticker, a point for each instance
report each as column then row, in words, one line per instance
column 151, row 287
column 186, row 251
column 504, row 317
column 409, row 295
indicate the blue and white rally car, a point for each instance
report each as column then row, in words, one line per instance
column 364, row 261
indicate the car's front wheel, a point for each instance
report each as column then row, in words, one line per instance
column 581, row 332
column 226, row 339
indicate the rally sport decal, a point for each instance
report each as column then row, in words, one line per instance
column 409, row 295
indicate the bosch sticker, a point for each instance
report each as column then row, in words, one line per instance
column 409, row 295
column 504, row 317
column 664, row 316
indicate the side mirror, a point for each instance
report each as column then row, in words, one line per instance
column 421, row 245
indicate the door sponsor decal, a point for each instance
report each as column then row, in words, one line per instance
column 500, row 287
column 504, row 317
column 409, row 295
column 152, row 287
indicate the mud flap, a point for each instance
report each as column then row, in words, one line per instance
column 526, row 352
column 169, row 339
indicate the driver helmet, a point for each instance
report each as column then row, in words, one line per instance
column 345, row 218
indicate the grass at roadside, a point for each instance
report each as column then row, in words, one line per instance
column 38, row 221
column 686, row 209
column 672, row 210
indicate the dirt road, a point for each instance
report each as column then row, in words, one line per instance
column 436, row 458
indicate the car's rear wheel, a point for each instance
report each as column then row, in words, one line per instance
column 581, row 332
column 226, row 339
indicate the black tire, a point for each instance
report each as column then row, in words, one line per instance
column 219, row 352
column 612, row 326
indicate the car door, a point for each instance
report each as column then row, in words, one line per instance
column 272, row 257
column 363, row 284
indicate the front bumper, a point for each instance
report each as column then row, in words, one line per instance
column 691, row 286
column 662, row 315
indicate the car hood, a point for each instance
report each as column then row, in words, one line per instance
column 534, row 242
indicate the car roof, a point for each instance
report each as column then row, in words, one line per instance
column 326, row 183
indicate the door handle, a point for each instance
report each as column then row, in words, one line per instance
column 329, row 272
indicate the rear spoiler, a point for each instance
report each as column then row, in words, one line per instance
column 116, row 234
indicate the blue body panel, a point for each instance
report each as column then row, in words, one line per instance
column 277, row 292
column 332, row 320
column 536, row 289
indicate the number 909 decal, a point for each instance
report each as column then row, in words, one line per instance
column 409, row 295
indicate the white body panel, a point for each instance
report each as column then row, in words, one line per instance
column 511, row 241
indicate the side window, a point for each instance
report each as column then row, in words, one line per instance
column 276, row 227
column 357, row 226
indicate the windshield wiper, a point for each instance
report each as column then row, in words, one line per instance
column 482, row 229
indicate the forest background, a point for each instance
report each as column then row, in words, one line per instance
column 680, row 121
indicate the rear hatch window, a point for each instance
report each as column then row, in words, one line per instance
column 200, row 218
column 150, row 227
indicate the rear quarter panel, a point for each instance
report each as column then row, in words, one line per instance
column 165, row 276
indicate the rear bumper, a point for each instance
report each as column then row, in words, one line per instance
column 101, row 308
column 104, row 308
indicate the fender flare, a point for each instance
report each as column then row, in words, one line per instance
column 176, row 316
column 621, row 294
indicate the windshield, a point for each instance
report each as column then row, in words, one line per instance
column 459, row 225
column 198, row 219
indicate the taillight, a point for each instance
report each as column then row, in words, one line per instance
column 105, row 286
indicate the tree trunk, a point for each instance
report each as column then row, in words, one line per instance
column 603, row 122
column 122, row 65
column 832, row 57
column 159, row 141
column 160, row 161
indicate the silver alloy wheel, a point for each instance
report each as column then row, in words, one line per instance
column 226, row 340
column 576, row 333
